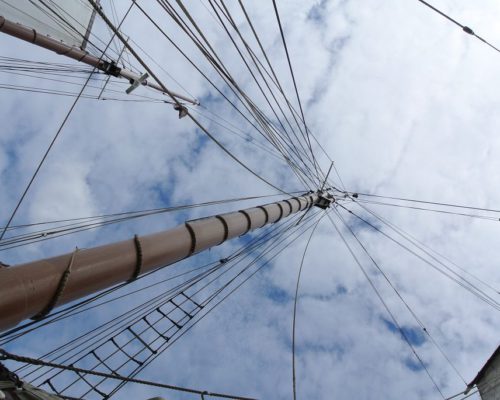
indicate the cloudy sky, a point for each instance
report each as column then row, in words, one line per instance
column 403, row 101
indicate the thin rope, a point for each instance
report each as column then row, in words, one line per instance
column 155, row 77
column 429, row 202
column 396, row 291
column 294, row 381
column 4, row 355
column 385, row 305
column 466, row 29
column 70, row 111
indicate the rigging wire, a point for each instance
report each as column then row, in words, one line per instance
column 385, row 305
column 247, row 138
column 294, row 382
column 14, row 63
column 430, row 209
column 37, row 89
column 472, row 394
column 61, row 126
column 398, row 294
column 94, row 222
column 154, row 76
column 429, row 202
column 233, row 24
column 117, row 50
column 161, row 209
column 58, row 20
column 43, row 160
column 420, row 244
column 466, row 29
column 309, row 144
column 245, row 62
column 220, row 68
column 275, row 81
column 70, row 310
column 72, row 94
column 4, row 355
column 493, row 385
column 77, row 308
column 163, row 69
column 266, row 262
column 258, row 120
column 459, row 394
column 461, row 281
column 338, row 175
column 262, row 254
column 247, row 248
column 276, row 13
column 294, row 82
column 244, row 252
column 216, row 62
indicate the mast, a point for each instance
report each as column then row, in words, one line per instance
column 33, row 289
column 32, row 36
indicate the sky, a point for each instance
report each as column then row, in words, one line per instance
column 401, row 99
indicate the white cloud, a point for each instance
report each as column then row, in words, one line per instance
column 403, row 101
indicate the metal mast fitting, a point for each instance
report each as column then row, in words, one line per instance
column 33, row 289
column 109, row 67
column 325, row 199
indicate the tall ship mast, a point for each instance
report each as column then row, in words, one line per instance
column 227, row 199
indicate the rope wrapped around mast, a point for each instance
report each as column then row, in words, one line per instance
column 59, row 291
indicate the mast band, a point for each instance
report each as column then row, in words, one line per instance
column 249, row 221
column 226, row 228
column 193, row 239
column 265, row 212
column 310, row 201
column 289, row 205
column 281, row 212
column 138, row 265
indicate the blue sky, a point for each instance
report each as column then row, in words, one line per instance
column 404, row 102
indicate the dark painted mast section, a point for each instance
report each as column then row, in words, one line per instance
column 34, row 289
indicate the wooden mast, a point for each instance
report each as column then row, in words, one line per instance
column 34, row 288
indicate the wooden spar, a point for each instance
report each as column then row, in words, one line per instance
column 30, row 35
column 26, row 290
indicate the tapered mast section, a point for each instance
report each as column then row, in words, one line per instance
column 32, row 36
column 34, row 288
